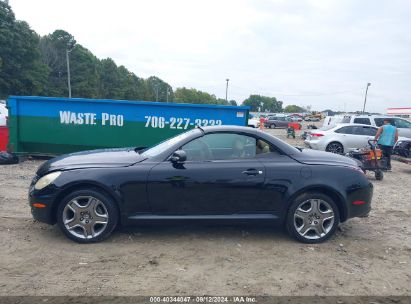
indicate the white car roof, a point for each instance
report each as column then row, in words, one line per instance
column 339, row 125
column 354, row 125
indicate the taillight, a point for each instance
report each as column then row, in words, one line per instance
column 316, row 134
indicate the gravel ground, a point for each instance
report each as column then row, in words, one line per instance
column 368, row 256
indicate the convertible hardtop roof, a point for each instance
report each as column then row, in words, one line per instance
column 227, row 128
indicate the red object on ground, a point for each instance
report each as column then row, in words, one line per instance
column 262, row 121
column 295, row 125
column 4, row 138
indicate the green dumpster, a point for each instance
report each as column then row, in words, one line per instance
column 51, row 126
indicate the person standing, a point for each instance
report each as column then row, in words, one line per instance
column 386, row 137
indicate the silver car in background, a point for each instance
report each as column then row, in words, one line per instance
column 341, row 138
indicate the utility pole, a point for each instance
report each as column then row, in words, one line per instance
column 365, row 99
column 167, row 95
column 226, row 89
column 68, row 72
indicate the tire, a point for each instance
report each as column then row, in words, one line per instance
column 87, row 216
column 309, row 224
column 272, row 126
column 379, row 175
column 335, row 147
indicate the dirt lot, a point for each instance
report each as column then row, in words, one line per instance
column 370, row 256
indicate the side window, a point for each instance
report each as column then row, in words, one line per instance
column 367, row 131
column 370, row 131
column 364, row 121
column 264, row 149
column 379, row 121
column 197, row 150
column 221, row 146
column 346, row 119
column 402, row 123
column 345, row 130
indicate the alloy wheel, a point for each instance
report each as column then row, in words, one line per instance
column 314, row 219
column 335, row 148
column 85, row 217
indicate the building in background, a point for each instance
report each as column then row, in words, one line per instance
column 399, row 112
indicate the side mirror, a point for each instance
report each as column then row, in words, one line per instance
column 179, row 156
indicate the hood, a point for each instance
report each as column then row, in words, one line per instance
column 314, row 157
column 103, row 158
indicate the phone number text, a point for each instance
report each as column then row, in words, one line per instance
column 179, row 122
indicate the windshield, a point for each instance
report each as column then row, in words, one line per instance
column 159, row 148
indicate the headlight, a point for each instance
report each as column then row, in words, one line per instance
column 46, row 180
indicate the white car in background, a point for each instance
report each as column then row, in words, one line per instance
column 341, row 138
column 253, row 121
column 3, row 114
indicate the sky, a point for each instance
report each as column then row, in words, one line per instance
column 318, row 53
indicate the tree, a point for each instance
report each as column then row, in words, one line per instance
column 185, row 95
column 53, row 49
column 233, row 102
column 157, row 90
column 260, row 103
column 33, row 65
column 109, row 84
column 21, row 70
column 294, row 109
column 84, row 73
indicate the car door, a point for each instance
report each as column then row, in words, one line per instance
column 220, row 176
column 404, row 127
column 360, row 137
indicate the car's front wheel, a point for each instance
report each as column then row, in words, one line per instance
column 87, row 216
column 312, row 218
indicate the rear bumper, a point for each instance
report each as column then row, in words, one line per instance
column 315, row 145
column 359, row 200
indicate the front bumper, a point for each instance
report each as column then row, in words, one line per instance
column 46, row 197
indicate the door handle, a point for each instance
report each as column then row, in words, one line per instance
column 252, row 172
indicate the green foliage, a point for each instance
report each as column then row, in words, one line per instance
column 157, row 90
column 260, row 103
column 53, row 48
column 185, row 95
column 21, row 70
column 294, row 109
column 33, row 65
column 84, row 73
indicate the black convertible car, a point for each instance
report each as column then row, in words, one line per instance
column 224, row 173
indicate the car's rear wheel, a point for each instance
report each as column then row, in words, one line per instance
column 312, row 218
column 335, row 147
column 272, row 126
column 87, row 216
